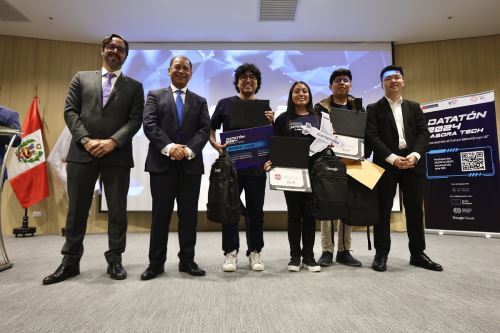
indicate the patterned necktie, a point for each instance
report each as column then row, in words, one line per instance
column 107, row 87
column 180, row 106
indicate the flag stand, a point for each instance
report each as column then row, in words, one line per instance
column 6, row 264
column 25, row 229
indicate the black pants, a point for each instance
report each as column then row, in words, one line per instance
column 300, row 223
column 411, row 186
column 254, row 187
column 175, row 184
column 82, row 178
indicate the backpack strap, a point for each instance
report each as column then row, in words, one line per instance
column 368, row 235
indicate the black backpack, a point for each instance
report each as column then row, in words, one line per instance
column 329, row 187
column 362, row 206
column 223, row 204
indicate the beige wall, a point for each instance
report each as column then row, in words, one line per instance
column 434, row 70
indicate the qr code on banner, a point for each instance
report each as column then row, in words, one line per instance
column 472, row 161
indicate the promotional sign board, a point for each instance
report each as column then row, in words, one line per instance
column 462, row 192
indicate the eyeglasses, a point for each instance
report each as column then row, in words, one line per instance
column 248, row 77
column 342, row 79
column 112, row 47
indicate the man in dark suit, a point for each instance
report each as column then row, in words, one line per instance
column 397, row 132
column 103, row 111
column 176, row 123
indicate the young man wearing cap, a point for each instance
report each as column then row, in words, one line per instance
column 397, row 132
column 340, row 84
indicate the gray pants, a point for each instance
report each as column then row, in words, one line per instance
column 327, row 233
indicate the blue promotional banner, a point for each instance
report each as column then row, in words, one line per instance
column 462, row 192
column 249, row 147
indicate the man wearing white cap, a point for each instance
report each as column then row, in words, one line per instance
column 396, row 131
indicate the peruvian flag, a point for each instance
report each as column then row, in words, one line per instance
column 27, row 168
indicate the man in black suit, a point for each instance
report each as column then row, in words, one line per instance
column 176, row 123
column 103, row 111
column 397, row 132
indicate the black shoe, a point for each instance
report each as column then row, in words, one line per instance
column 116, row 271
column 62, row 273
column 379, row 263
column 294, row 264
column 191, row 268
column 345, row 258
column 326, row 259
column 311, row 265
column 422, row 260
column 152, row 271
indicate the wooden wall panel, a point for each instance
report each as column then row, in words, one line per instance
column 29, row 66
column 434, row 70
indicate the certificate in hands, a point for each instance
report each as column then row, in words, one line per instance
column 349, row 126
column 349, row 147
column 249, row 147
column 290, row 158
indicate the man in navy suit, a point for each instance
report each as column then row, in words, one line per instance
column 103, row 111
column 177, row 125
column 396, row 131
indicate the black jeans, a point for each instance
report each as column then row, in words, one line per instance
column 254, row 187
column 300, row 223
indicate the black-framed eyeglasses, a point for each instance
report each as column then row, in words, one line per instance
column 342, row 79
column 112, row 47
column 245, row 77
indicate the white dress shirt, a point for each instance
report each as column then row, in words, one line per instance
column 397, row 112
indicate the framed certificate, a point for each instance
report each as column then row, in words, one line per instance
column 289, row 179
column 349, row 147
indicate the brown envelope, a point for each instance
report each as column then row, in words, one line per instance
column 365, row 172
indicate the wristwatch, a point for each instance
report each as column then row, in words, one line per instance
column 84, row 140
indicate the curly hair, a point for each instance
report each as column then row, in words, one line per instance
column 241, row 70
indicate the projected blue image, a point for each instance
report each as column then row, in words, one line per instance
column 213, row 71
column 213, row 74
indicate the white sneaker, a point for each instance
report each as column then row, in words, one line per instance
column 256, row 263
column 230, row 263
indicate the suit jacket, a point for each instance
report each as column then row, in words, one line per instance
column 160, row 127
column 8, row 118
column 382, row 133
column 119, row 119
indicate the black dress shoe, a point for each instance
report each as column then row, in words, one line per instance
column 379, row 263
column 191, row 268
column 62, row 273
column 345, row 258
column 151, row 272
column 326, row 259
column 116, row 271
column 422, row 260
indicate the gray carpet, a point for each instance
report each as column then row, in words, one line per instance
column 465, row 297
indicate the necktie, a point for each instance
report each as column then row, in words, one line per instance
column 106, row 87
column 180, row 106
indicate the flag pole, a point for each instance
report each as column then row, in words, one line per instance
column 25, row 230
